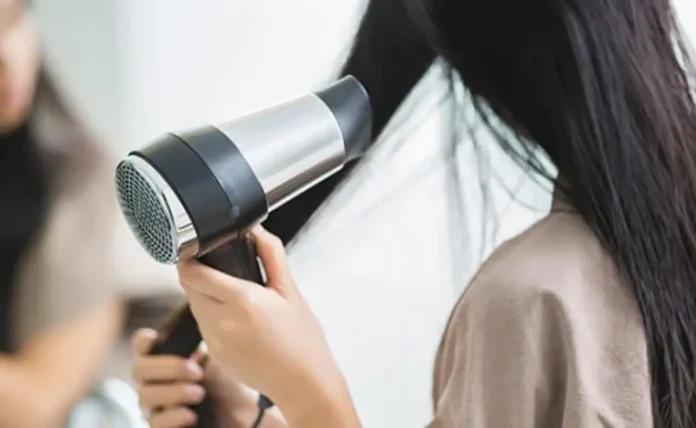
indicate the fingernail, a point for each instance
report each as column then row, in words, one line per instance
column 195, row 369
column 196, row 392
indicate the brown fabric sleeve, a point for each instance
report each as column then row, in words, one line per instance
column 542, row 357
column 505, row 360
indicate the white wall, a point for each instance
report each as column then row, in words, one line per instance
column 687, row 16
column 85, row 48
column 193, row 61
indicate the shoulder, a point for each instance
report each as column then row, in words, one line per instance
column 559, row 264
column 547, row 332
column 556, row 282
column 546, row 317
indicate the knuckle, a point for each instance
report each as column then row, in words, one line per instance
column 181, row 369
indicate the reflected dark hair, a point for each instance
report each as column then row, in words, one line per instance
column 32, row 172
column 600, row 88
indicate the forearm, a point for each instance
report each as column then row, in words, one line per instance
column 273, row 419
column 334, row 410
column 244, row 418
column 333, row 415
column 241, row 410
column 48, row 376
column 328, row 406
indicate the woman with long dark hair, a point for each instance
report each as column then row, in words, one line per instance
column 67, row 265
column 585, row 319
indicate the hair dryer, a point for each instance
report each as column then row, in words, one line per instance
column 198, row 193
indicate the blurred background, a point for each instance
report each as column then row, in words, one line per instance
column 135, row 69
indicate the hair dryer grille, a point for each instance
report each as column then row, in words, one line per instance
column 146, row 213
column 188, row 193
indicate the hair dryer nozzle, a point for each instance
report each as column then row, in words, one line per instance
column 188, row 193
column 350, row 104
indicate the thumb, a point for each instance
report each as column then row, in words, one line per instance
column 143, row 340
column 275, row 263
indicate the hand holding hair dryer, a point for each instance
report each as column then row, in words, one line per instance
column 197, row 193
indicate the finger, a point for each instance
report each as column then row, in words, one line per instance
column 142, row 341
column 166, row 368
column 200, row 355
column 177, row 417
column 275, row 261
column 153, row 396
column 204, row 308
column 212, row 284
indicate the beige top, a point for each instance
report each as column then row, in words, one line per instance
column 546, row 336
column 84, row 257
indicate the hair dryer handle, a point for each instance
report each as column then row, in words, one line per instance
column 238, row 259
column 180, row 334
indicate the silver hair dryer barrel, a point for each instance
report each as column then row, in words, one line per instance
column 196, row 194
column 187, row 193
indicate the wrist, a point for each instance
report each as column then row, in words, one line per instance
column 326, row 404
column 244, row 414
column 240, row 411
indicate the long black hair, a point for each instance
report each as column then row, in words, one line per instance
column 33, row 170
column 384, row 50
column 603, row 89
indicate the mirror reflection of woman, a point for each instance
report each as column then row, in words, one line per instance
column 67, row 265
column 585, row 319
